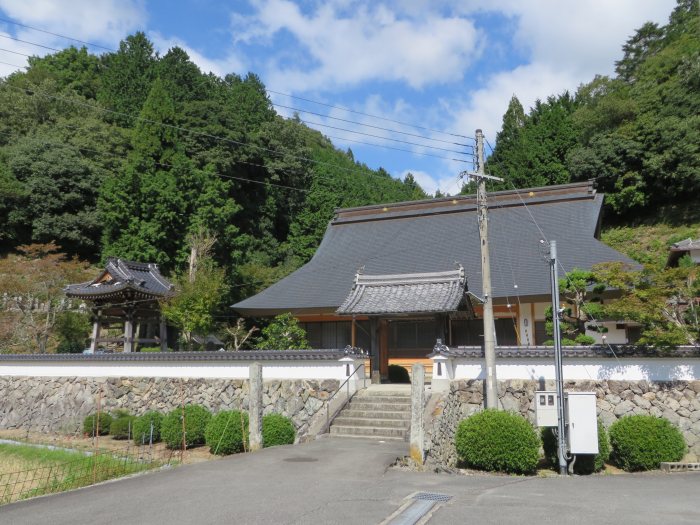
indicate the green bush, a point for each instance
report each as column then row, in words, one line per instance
column 226, row 434
column 585, row 463
column 196, row 419
column 141, row 428
column 121, row 427
column 585, row 340
column 495, row 440
column 149, row 349
column 89, row 424
column 398, row 374
column 642, row 442
column 277, row 430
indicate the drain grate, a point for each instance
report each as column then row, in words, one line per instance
column 432, row 496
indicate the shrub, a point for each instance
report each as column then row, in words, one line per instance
column 642, row 442
column 149, row 349
column 141, row 427
column 585, row 463
column 585, row 340
column 89, row 424
column 398, row 374
column 277, row 430
column 121, row 427
column 498, row 441
column 196, row 419
column 225, row 434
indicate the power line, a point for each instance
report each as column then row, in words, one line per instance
column 56, row 34
column 13, row 65
column 31, row 43
column 312, row 123
column 372, row 126
column 31, row 91
column 396, row 149
column 15, row 52
column 370, row 115
column 166, row 165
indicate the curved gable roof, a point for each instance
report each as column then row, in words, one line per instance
column 433, row 236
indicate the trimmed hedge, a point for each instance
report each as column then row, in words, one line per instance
column 398, row 374
column 196, row 419
column 141, row 427
column 277, row 430
column 495, row 440
column 121, row 427
column 89, row 424
column 225, row 434
column 643, row 442
column 585, row 463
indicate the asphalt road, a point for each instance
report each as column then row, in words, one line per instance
column 348, row 481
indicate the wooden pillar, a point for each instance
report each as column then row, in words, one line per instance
column 129, row 333
column 95, row 334
column 384, row 348
column 353, row 333
column 374, row 349
column 163, row 335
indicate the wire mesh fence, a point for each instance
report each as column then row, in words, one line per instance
column 87, row 468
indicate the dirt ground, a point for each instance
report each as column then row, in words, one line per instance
column 82, row 442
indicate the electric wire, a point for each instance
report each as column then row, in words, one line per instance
column 56, row 34
column 166, row 165
column 385, row 119
column 32, row 91
column 567, row 277
column 415, row 135
column 13, row 65
column 16, row 53
column 30, row 43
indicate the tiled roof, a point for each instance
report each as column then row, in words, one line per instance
column 242, row 355
column 431, row 236
column 120, row 275
column 612, row 351
column 677, row 250
column 406, row 293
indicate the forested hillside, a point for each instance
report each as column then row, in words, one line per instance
column 129, row 152
column 636, row 133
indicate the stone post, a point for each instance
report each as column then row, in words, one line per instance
column 255, row 408
column 95, row 335
column 128, row 334
column 417, row 408
column 163, row 335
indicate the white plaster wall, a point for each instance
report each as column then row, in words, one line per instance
column 695, row 256
column 627, row 369
column 539, row 310
column 614, row 336
column 209, row 370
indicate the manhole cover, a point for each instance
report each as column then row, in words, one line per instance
column 300, row 459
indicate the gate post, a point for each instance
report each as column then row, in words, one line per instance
column 417, row 408
column 255, row 407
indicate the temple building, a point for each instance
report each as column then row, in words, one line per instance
column 393, row 278
column 126, row 294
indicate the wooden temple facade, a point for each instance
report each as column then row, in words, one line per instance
column 126, row 294
column 394, row 278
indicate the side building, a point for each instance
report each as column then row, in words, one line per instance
column 394, row 278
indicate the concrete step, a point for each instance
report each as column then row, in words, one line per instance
column 344, row 420
column 377, row 432
column 402, row 400
column 381, row 414
column 379, row 407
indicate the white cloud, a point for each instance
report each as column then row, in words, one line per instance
column 231, row 63
column 345, row 46
column 447, row 182
column 103, row 21
column 567, row 43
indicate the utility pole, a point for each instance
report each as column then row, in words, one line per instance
column 489, row 327
column 558, row 368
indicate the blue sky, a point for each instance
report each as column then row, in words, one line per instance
column 448, row 66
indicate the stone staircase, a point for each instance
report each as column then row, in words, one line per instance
column 377, row 412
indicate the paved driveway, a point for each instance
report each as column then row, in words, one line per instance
column 347, row 481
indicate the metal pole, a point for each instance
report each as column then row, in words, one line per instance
column 558, row 369
column 489, row 327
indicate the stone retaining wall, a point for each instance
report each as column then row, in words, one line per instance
column 677, row 401
column 60, row 403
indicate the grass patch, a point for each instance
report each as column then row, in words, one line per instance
column 27, row 471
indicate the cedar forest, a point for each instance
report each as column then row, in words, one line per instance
column 133, row 154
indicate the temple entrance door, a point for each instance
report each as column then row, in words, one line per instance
column 384, row 349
